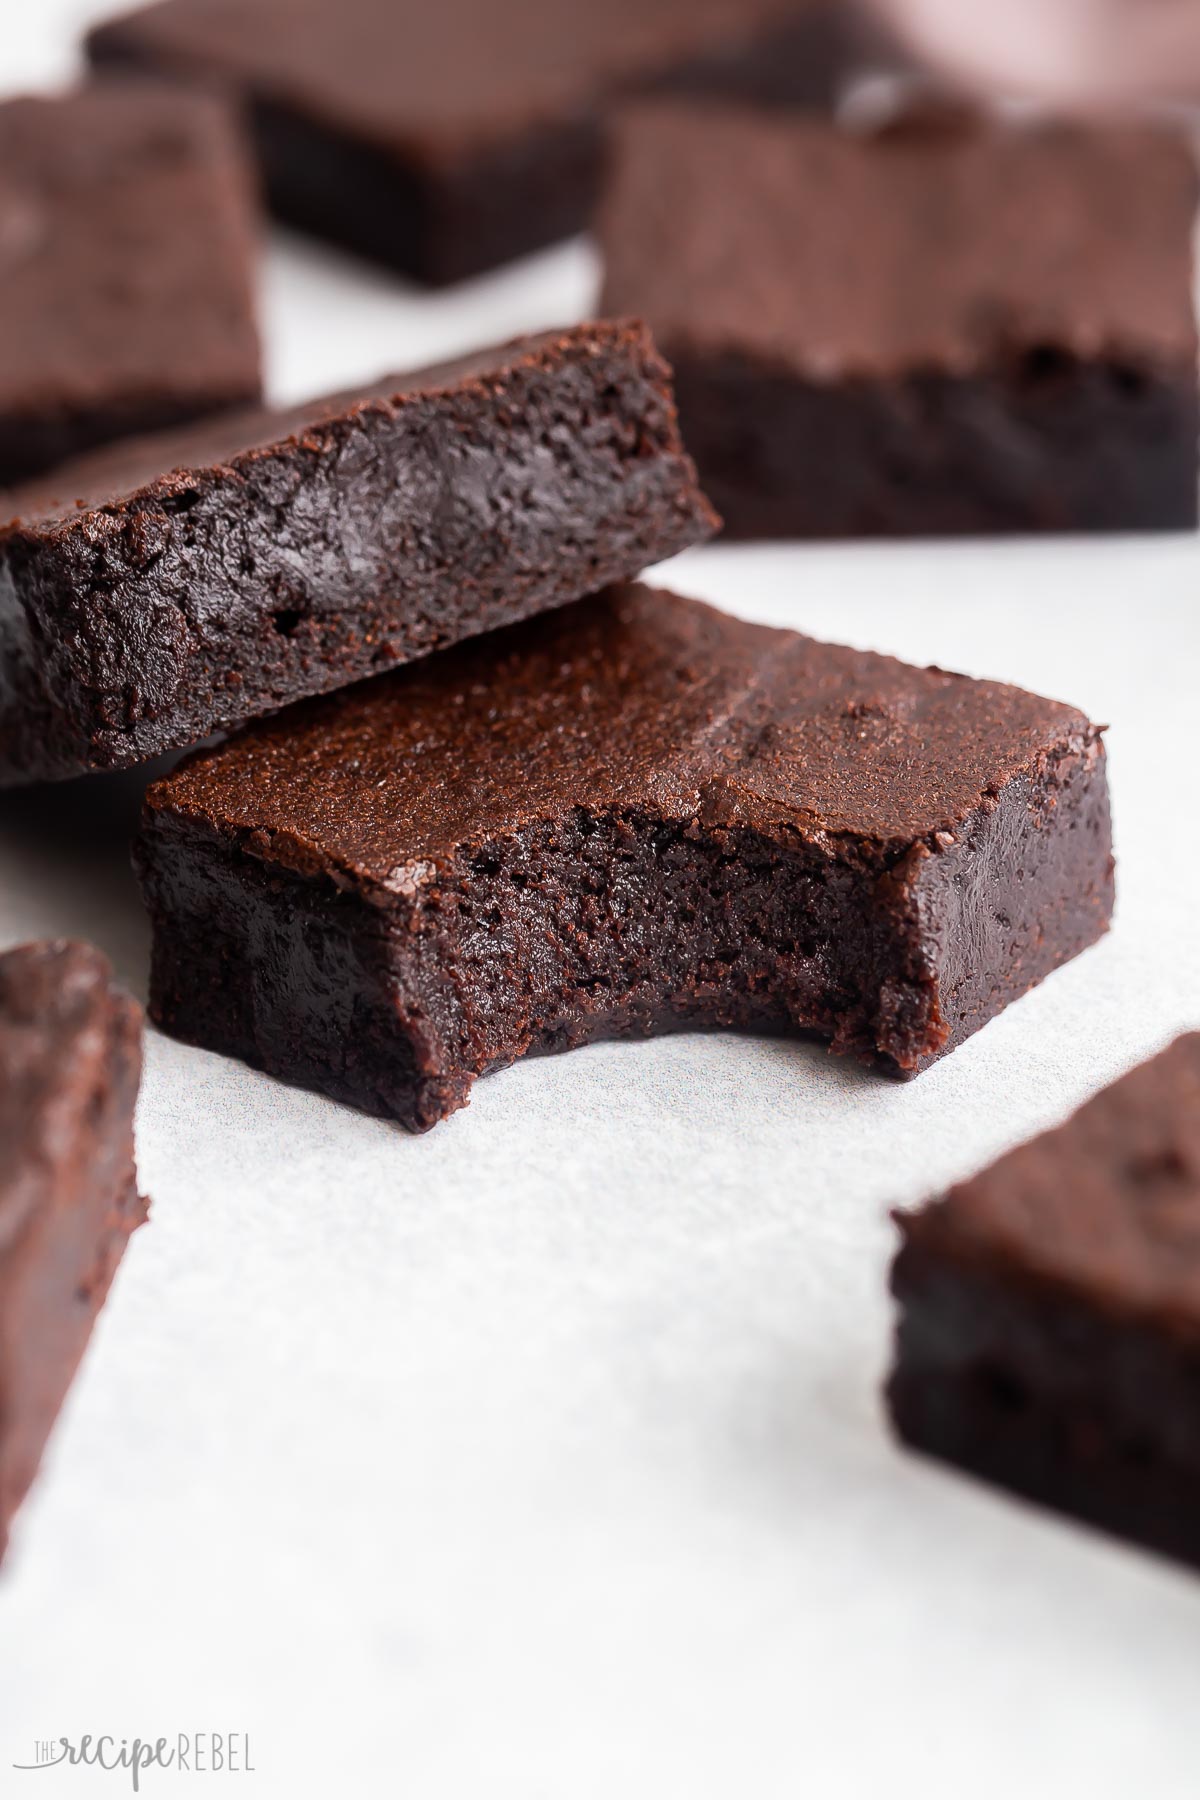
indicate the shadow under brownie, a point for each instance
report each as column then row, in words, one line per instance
column 633, row 815
column 987, row 328
column 1049, row 1334
column 177, row 586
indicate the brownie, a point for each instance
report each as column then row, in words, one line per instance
column 633, row 815
column 70, row 1062
column 184, row 584
column 948, row 329
column 127, row 250
column 444, row 139
column 1049, row 1335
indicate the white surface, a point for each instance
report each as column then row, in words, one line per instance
column 541, row 1458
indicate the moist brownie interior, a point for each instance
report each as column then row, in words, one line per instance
column 160, row 592
column 70, row 1063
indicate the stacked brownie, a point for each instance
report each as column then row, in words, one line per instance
column 630, row 816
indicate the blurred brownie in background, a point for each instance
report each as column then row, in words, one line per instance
column 1049, row 1334
column 127, row 248
column 444, row 138
column 161, row 590
column 961, row 326
column 70, row 1064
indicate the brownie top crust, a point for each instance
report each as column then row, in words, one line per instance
column 835, row 253
column 66, row 1034
column 436, row 80
column 127, row 241
column 156, row 468
column 1108, row 1204
column 633, row 700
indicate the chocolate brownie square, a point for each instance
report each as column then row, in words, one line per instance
column 171, row 588
column 70, row 1063
column 633, row 815
column 1049, row 1335
column 986, row 328
column 127, row 250
column 444, row 139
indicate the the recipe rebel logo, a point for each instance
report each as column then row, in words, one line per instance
column 198, row 1753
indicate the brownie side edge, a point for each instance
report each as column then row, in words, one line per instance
column 399, row 1004
column 80, row 1194
column 393, row 530
column 1024, row 1385
column 55, row 1310
column 1038, row 441
column 328, row 1010
column 1025, row 885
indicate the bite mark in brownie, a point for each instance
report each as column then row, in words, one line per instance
column 634, row 815
column 986, row 328
column 442, row 140
column 70, row 1063
column 127, row 250
column 1049, row 1333
column 181, row 585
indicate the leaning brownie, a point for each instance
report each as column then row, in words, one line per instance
column 1049, row 1334
column 70, row 1062
column 444, row 138
column 932, row 329
column 127, row 244
column 183, row 584
column 630, row 816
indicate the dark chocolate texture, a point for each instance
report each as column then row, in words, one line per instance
column 633, row 815
column 941, row 330
column 443, row 139
column 70, row 1062
column 1049, row 1335
column 127, row 248
column 177, row 586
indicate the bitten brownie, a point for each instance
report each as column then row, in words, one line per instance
column 981, row 328
column 444, row 139
column 180, row 585
column 70, row 1063
column 127, row 247
column 1049, row 1335
column 632, row 815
